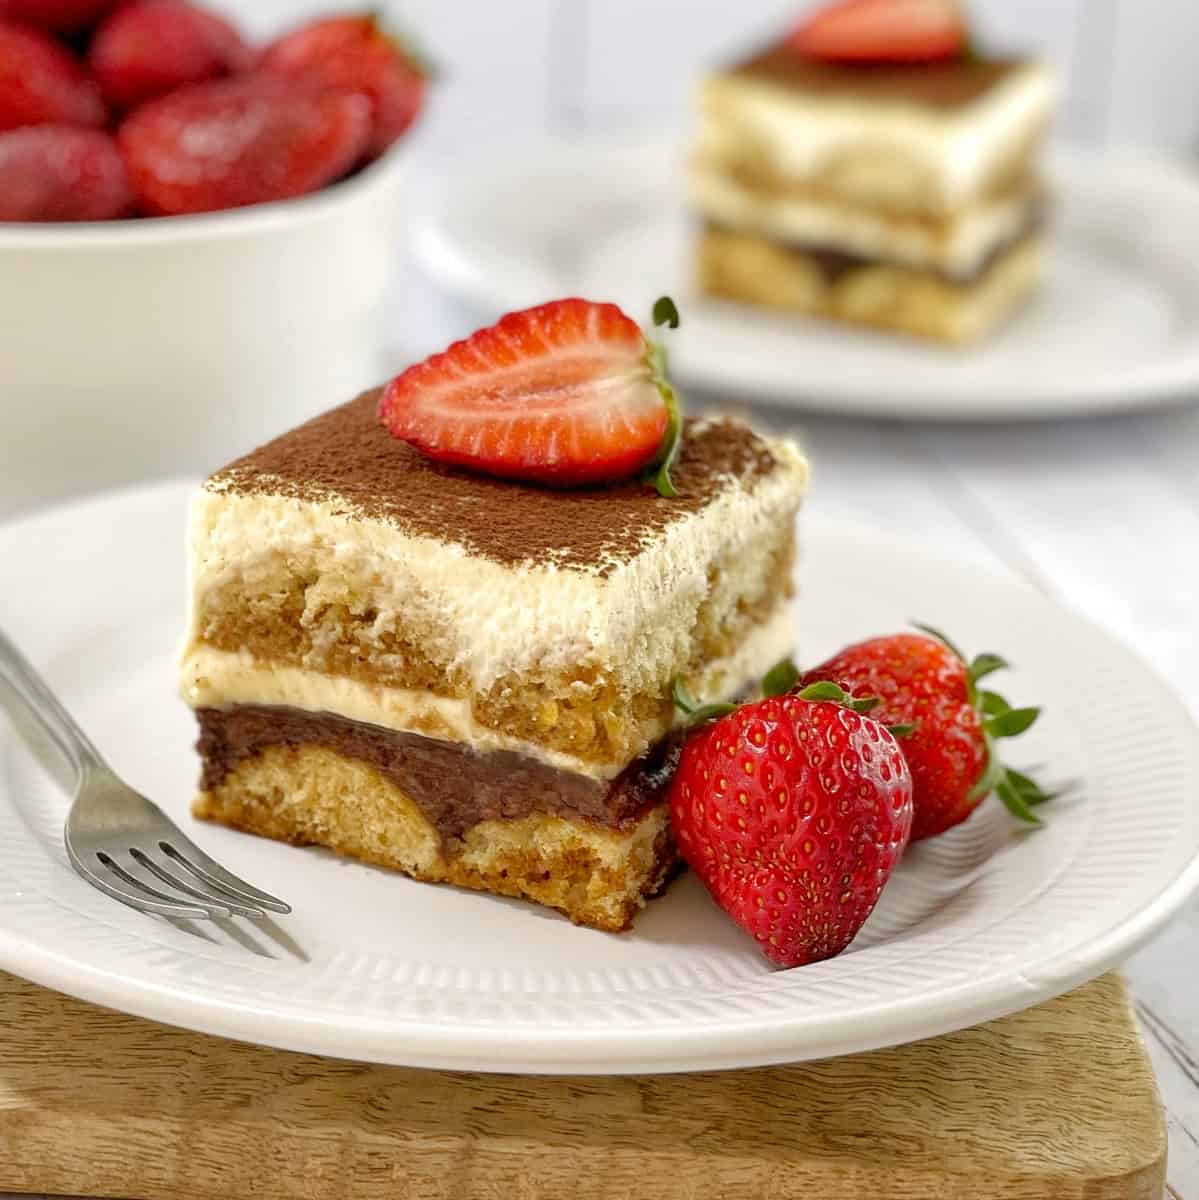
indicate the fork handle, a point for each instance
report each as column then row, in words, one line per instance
column 29, row 687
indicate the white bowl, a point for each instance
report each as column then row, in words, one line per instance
column 135, row 349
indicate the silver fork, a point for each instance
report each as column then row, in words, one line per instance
column 118, row 840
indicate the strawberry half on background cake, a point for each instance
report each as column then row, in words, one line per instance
column 872, row 168
column 437, row 628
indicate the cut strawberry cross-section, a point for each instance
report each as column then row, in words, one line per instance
column 883, row 31
column 567, row 393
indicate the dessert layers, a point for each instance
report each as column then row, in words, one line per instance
column 875, row 292
column 930, row 139
column 440, row 811
column 467, row 679
column 902, row 196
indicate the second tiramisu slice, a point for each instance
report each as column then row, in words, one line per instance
column 872, row 168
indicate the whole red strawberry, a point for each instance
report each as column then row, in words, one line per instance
column 60, row 16
column 144, row 50
column 41, row 83
column 353, row 53
column 883, row 31
column 793, row 812
column 242, row 141
column 567, row 393
column 923, row 682
column 61, row 173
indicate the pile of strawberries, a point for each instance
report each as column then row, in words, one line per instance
column 795, row 810
column 121, row 108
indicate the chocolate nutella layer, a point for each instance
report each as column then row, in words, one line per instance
column 346, row 457
column 942, row 85
column 454, row 786
column 834, row 265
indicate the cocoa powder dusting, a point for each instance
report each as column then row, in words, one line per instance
column 938, row 85
column 346, row 457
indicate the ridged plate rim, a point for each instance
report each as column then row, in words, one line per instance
column 1124, row 870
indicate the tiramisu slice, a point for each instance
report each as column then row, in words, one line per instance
column 871, row 169
column 402, row 656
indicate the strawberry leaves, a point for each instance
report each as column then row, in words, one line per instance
column 1018, row 792
column 665, row 312
column 984, row 664
column 780, row 679
column 833, row 693
column 696, row 713
column 1020, row 795
column 1011, row 722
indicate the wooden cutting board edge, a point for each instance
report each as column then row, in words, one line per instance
column 1058, row 1102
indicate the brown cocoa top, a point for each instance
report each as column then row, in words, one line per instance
column 942, row 85
column 345, row 455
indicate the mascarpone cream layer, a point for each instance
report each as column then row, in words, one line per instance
column 958, row 246
column 216, row 679
column 804, row 136
column 485, row 620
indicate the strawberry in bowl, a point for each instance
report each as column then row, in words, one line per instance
column 262, row 139
column 153, row 47
column 42, row 82
column 356, row 53
column 203, row 120
column 62, row 173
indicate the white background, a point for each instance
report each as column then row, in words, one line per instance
column 1101, row 514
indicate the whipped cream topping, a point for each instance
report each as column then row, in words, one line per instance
column 803, row 135
column 484, row 620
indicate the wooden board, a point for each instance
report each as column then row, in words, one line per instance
column 1057, row 1102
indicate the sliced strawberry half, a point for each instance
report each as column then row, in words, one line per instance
column 567, row 393
column 883, row 31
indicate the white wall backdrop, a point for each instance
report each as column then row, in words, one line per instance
column 514, row 67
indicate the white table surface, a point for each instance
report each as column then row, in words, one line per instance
column 1102, row 515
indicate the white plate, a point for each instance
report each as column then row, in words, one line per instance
column 373, row 966
column 1115, row 327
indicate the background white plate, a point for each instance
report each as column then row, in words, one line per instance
column 374, row 966
column 1115, row 327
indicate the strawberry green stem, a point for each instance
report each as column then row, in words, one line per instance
column 671, row 441
column 780, row 679
column 832, row 693
column 695, row 712
column 665, row 313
